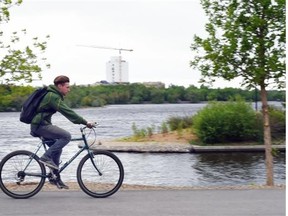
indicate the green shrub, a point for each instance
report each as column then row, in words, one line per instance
column 277, row 119
column 231, row 121
column 150, row 130
column 176, row 122
column 142, row 133
column 164, row 128
column 277, row 122
column 138, row 133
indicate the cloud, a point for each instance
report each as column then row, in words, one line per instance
column 159, row 32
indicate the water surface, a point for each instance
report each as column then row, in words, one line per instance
column 150, row 169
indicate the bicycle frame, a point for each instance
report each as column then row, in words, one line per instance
column 83, row 148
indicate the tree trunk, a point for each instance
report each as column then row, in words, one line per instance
column 267, row 138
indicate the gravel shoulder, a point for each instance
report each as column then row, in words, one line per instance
column 73, row 186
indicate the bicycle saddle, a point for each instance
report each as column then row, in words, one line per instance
column 47, row 141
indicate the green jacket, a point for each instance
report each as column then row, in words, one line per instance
column 52, row 102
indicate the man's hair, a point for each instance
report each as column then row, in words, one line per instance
column 61, row 80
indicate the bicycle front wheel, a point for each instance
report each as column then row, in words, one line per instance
column 21, row 174
column 100, row 174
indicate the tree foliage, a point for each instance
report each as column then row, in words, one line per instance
column 97, row 96
column 19, row 62
column 246, row 39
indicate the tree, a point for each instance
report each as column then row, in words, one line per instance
column 245, row 39
column 193, row 94
column 175, row 93
column 157, row 95
column 18, row 62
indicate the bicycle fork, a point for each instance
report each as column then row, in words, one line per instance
column 91, row 155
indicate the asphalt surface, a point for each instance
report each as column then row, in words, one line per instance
column 264, row 202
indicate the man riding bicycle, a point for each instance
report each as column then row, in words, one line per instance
column 42, row 126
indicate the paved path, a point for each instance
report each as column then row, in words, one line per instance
column 153, row 203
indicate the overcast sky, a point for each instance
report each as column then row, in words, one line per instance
column 159, row 32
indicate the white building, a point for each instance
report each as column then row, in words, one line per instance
column 117, row 70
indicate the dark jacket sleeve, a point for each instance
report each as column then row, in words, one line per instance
column 69, row 113
column 57, row 103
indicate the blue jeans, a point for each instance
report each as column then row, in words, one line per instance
column 61, row 136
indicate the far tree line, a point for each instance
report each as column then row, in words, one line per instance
column 12, row 96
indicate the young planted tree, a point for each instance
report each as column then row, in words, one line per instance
column 18, row 61
column 245, row 39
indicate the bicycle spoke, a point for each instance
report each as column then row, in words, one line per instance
column 102, row 184
column 19, row 180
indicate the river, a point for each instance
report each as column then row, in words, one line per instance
column 149, row 169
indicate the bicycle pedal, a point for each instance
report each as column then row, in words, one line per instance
column 61, row 186
column 58, row 186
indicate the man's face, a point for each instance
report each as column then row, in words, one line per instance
column 64, row 88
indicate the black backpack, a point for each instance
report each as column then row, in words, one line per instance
column 29, row 107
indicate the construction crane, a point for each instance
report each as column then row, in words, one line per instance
column 111, row 48
column 103, row 47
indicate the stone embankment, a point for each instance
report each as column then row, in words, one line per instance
column 158, row 147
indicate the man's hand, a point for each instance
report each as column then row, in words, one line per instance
column 90, row 125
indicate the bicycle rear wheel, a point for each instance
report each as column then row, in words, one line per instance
column 21, row 174
column 106, row 180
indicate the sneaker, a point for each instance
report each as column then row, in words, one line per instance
column 48, row 162
column 51, row 179
column 61, row 184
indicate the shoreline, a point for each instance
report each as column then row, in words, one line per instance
column 179, row 147
column 176, row 147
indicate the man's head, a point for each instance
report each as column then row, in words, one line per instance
column 63, row 84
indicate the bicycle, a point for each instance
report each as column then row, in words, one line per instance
column 100, row 173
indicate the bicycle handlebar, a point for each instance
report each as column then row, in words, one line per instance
column 94, row 126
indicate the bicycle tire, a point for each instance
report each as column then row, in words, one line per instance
column 17, row 182
column 111, row 179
